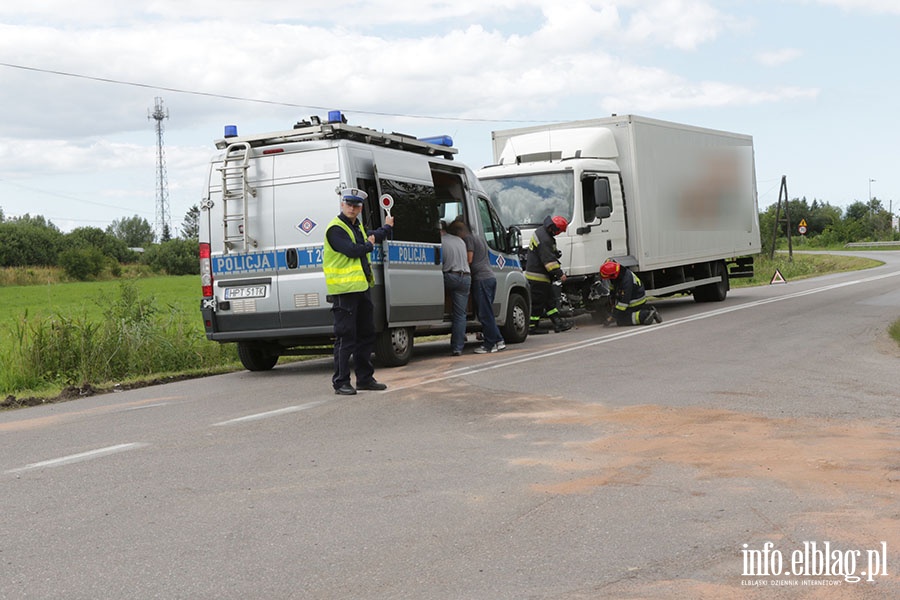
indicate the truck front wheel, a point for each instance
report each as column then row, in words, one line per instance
column 256, row 357
column 515, row 329
column 393, row 347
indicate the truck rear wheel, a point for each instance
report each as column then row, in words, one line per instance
column 714, row 292
column 393, row 347
column 515, row 329
column 256, row 357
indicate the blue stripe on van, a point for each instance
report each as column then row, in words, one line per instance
column 311, row 257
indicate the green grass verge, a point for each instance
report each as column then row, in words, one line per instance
column 802, row 266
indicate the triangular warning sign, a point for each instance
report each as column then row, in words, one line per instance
column 777, row 278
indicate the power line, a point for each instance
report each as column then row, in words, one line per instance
column 256, row 100
column 69, row 197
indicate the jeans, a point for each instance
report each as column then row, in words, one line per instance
column 458, row 287
column 483, row 292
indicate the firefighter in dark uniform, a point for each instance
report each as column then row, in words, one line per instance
column 349, row 279
column 542, row 268
column 627, row 296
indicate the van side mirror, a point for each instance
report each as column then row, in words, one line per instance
column 603, row 212
column 514, row 238
column 514, row 243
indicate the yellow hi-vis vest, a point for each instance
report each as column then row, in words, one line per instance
column 342, row 273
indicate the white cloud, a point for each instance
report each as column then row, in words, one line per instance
column 874, row 6
column 467, row 59
column 774, row 58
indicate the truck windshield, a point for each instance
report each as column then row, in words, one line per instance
column 525, row 200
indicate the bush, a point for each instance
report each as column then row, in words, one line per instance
column 26, row 244
column 108, row 244
column 174, row 257
column 82, row 263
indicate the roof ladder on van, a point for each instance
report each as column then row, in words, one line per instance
column 236, row 193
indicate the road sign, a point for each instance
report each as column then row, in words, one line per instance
column 777, row 278
column 802, row 227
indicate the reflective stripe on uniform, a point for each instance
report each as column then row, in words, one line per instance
column 342, row 273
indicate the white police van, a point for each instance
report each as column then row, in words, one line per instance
column 267, row 201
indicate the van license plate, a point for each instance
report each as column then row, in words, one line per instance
column 256, row 291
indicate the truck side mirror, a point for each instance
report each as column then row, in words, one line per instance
column 602, row 198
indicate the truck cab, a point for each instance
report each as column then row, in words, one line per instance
column 267, row 202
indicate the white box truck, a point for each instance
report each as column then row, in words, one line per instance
column 267, row 201
column 675, row 203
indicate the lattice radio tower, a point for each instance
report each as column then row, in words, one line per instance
column 162, row 226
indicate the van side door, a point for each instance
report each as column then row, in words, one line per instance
column 413, row 276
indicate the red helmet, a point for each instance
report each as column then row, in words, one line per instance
column 610, row 270
column 560, row 223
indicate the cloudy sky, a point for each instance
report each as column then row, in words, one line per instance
column 815, row 82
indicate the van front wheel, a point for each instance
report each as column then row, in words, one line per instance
column 393, row 347
column 256, row 357
column 515, row 329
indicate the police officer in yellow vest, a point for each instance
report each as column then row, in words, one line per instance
column 349, row 279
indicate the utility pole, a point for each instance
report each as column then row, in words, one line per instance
column 163, row 229
column 782, row 193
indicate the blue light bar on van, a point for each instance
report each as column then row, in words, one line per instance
column 438, row 140
column 336, row 116
column 230, row 131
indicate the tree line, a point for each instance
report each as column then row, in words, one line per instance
column 828, row 226
column 86, row 252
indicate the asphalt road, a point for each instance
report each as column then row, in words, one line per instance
column 680, row 460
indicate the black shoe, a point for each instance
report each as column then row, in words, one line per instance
column 654, row 316
column 563, row 326
column 560, row 324
column 345, row 390
column 372, row 385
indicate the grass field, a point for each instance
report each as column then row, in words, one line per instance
column 59, row 335
column 90, row 298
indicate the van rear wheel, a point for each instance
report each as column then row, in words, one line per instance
column 256, row 357
column 515, row 329
column 393, row 347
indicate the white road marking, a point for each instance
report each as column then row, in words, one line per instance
column 146, row 406
column 73, row 458
column 271, row 413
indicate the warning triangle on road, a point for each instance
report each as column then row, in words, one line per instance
column 777, row 278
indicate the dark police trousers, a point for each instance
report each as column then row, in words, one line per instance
column 354, row 331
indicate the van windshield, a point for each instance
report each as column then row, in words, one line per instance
column 525, row 200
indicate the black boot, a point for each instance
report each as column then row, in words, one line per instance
column 560, row 324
